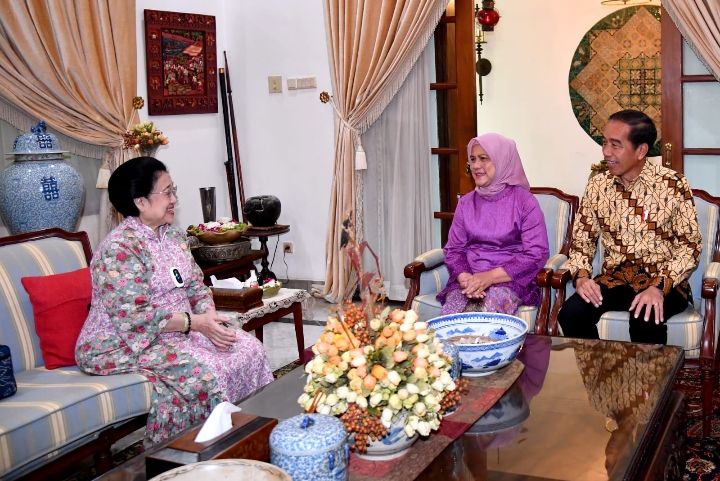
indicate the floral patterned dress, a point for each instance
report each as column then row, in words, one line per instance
column 133, row 299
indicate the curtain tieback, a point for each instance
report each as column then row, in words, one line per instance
column 360, row 159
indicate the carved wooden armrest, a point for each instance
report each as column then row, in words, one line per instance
column 413, row 271
column 558, row 282
column 542, row 279
column 707, row 343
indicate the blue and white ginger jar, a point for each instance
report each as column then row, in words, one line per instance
column 40, row 190
column 311, row 447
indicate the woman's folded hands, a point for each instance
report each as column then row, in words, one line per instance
column 210, row 325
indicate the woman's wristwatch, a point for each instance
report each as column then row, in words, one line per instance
column 188, row 323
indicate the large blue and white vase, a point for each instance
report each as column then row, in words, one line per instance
column 40, row 190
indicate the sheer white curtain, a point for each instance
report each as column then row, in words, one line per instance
column 397, row 201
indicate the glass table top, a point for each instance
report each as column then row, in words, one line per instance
column 578, row 412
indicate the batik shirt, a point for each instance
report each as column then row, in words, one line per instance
column 649, row 230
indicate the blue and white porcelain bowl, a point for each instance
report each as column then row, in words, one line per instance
column 511, row 410
column 485, row 358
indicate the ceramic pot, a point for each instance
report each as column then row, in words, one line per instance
column 40, row 190
column 392, row 446
column 262, row 210
column 148, row 150
column 311, row 446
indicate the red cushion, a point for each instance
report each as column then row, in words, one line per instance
column 60, row 305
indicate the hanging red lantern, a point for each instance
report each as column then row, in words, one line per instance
column 488, row 17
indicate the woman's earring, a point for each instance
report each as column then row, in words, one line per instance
column 467, row 169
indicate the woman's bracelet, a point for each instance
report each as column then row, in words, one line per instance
column 188, row 323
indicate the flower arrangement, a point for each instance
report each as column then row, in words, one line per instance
column 223, row 224
column 374, row 367
column 270, row 284
column 143, row 134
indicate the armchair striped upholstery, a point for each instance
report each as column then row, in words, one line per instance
column 696, row 329
column 57, row 417
column 428, row 274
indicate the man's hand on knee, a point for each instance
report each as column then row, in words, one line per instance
column 651, row 299
column 589, row 291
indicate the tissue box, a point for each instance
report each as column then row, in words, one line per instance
column 239, row 300
column 247, row 439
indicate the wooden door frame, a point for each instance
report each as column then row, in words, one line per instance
column 457, row 118
column 672, row 95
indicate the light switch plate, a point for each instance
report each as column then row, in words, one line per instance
column 292, row 84
column 306, row 83
column 275, row 84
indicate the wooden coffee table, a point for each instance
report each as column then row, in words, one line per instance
column 563, row 437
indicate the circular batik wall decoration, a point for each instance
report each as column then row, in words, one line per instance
column 617, row 67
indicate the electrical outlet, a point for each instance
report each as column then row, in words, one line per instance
column 288, row 247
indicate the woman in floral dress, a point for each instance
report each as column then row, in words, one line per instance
column 151, row 313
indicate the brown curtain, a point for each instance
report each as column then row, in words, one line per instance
column 72, row 63
column 699, row 23
column 372, row 45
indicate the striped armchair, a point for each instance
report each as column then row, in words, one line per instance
column 57, row 417
column 696, row 329
column 428, row 274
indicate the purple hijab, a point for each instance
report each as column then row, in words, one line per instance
column 508, row 167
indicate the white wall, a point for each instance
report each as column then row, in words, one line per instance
column 527, row 95
column 285, row 139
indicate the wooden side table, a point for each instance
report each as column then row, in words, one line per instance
column 237, row 268
column 287, row 301
column 262, row 234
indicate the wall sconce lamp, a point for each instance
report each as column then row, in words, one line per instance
column 486, row 19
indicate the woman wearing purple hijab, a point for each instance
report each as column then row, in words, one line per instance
column 498, row 241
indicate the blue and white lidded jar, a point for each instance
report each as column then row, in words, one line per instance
column 311, row 446
column 40, row 190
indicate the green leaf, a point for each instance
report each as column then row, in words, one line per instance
column 373, row 411
column 386, row 358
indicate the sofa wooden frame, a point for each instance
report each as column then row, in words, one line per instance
column 98, row 447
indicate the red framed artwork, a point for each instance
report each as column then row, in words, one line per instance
column 181, row 63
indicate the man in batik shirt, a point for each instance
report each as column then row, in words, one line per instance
column 646, row 219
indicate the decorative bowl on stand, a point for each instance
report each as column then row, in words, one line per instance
column 271, row 291
column 219, row 238
column 486, row 341
column 217, row 254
